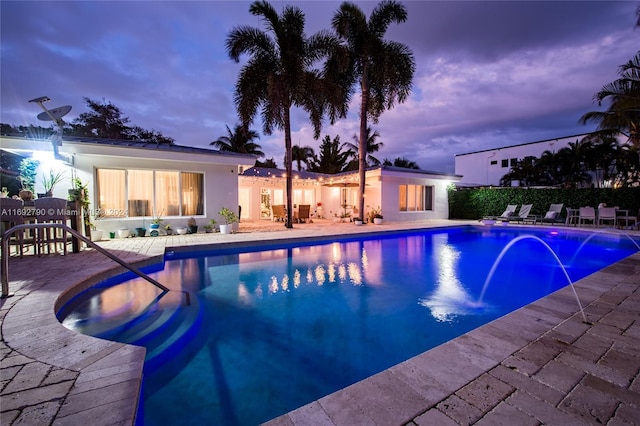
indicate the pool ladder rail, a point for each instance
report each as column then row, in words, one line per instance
column 5, row 253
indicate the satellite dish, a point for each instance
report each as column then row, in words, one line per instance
column 54, row 114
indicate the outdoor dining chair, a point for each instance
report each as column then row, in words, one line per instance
column 607, row 214
column 11, row 214
column 51, row 210
column 587, row 214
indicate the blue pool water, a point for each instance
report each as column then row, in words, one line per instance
column 250, row 335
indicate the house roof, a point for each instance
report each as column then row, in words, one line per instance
column 303, row 174
column 523, row 144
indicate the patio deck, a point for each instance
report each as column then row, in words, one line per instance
column 538, row 365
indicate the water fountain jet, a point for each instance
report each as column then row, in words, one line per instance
column 553, row 253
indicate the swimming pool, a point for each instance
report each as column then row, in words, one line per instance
column 256, row 334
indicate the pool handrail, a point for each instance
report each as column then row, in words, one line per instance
column 5, row 254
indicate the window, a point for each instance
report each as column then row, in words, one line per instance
column 134, row 193
column 513, row 162
column 494, row 162
column 505, row 163
column 415, row 198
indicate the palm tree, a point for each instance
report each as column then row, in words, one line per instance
column 623, row 113
column 401, row 162
column 384, row 68
column 372, row 146
column 332, row 158
column 278, row 74
column 239, row 140
column 302, row 154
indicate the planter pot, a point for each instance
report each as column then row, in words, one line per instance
column 192, row 229
column 112, row 235
column 226, row 229
column 141, row 232
column 169, row 231
column 96, row 235
column 25, row 194
column 357, row 222
column 123, row 233
column 181, row 231
column 377, row 221
column 154, row 226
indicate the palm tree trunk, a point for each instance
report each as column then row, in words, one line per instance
column 288, row 165
column 362, row 145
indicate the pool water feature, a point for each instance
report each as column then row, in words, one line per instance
column 251, row 335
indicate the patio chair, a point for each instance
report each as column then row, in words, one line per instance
column 51, row 210
column 587, row 214
column 278, row 213
column 553, row 214
column 607, row 214
column 509, row 212
column 524, row 214
column 303, row 213
column 11, row 214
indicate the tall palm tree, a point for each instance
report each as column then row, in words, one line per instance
column 279, row 75
column 240, row 139
column 384, row 69
column 372, row 146
column 302, row 154
column 623, row 113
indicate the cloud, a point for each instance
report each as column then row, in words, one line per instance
column 488, row 73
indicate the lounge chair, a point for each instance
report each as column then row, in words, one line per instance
column 524, row 214
column 509, row 212
column 553, row 214
column 278, row 213
column 587, row 214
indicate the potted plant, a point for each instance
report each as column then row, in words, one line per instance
column 5, row 192
column 168, row 229
column 96, row 234
column 27, row 177
column 155, row 226
column 230, row 218
column 375, row 216
column 210, row 227
column 50, row 181
column 192, row 226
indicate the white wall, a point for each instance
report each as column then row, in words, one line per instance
column 476, row 167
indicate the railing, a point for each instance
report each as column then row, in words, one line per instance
column 11, row 231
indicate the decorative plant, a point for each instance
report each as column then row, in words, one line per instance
column 167, row 228
column 228, row 215
column 54, row 178
column 375, row 213
column 209, row 227
column 157, row 220
column 28, row 170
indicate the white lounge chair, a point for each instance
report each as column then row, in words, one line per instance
column 509, row 212
column 553, row 214
column 524, row 214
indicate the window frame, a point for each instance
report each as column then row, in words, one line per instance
column 124, row 213
column 416, row 198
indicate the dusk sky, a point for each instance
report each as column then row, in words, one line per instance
column 488, row 74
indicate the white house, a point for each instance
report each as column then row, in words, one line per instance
column 402, row 194
column 487, row 167
column 131, row 182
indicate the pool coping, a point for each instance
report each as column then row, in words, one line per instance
column 99, row 381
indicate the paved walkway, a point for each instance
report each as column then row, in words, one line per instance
column 539, row 365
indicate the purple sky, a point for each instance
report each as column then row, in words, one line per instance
column 488, row 74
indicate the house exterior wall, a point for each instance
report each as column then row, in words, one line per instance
column 390, row 184
column 476, row 168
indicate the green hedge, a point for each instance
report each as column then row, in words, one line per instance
column 478, row 202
